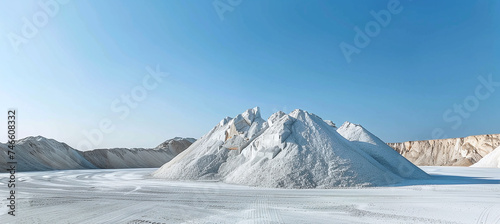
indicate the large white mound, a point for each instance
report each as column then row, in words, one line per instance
column 492, row 159
column 298, row 150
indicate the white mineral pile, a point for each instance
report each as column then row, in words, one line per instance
column 491, row 160
column 298, row 150
column 119, row 158
column 380, row 151
column 39, row 153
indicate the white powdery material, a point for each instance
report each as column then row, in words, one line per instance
column 492, row 160
column 298, row 150
column 204, row 157
column 39, row 153
column 380, row 151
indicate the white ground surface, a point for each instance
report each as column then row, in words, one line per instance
column 453, row 195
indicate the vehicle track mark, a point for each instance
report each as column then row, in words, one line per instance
column 265, row 211
column 487, row 217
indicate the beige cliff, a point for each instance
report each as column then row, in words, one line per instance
column 448, row 152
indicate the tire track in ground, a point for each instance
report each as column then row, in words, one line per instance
column 265, row 211
column 485, row 217
column 120, row 214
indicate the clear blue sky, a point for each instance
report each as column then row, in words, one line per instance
column 279, row 55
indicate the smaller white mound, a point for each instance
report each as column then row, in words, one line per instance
column 491, row 160
column 380, row 151
column 39, row 153
column 119, row 158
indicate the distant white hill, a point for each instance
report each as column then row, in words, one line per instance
column 296, row 150
column 39, row 153
column 138, row 157
column 490, row 160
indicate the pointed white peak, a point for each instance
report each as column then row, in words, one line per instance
column 179, row 139
column 38, row 139
column 34, row 138
column 329, row 122
column 246, row 124
column 187, row 139
column 356, row 132
column 242, row 123
column 303, row 114
column 297, row 113
column 224, row 121
column 175, row 141
column 251, row 114
column 275, row 117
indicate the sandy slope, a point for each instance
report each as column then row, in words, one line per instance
column 452, row 195
column 448, row 152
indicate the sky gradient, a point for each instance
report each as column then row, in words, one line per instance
column 74, row 74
